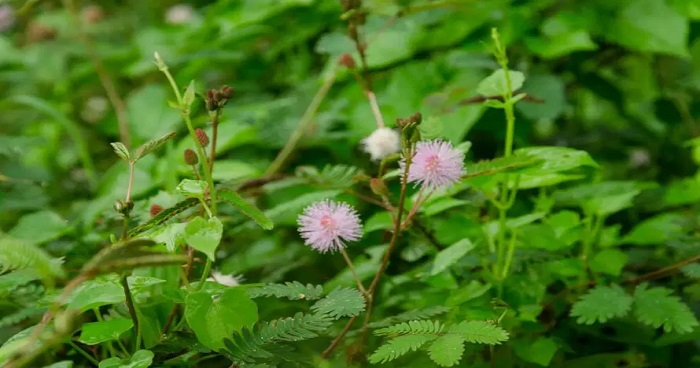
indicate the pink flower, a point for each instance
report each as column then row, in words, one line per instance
column 435, row 164
column 326, row 224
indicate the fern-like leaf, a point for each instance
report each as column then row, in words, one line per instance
column 290, row 290
column 447, row 350
column 657, row 307
column 19, row 316
column 480, row 332
column 11, row 281
column 248, row 345
column 399, row 346
column 164, row 216
column 19, row 255
column 331, row 176
column 601, row 304
column 341, row 302
column 411, row 315
column 411, row 327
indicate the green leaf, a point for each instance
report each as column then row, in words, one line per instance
column 609, row 261
column 341, row 302
column 204, row 235
column 121, row 151
column 172, row 235
column 555, row 159
column 450, row 255
column 290, row 290
column 164, row 216
column 398, row 347
column 410, row 315
column 656, row 230
column 247, row 209
column 540, row 352
column 152, row 145
column 20, row 255
column 94, row 333
column 215, row 319
column 657, row 307
column 188, row 96
column 192, row 188
column 601, row 304
column 692, row 270
column 140, row 359
column 40, row 227
column 480, row 332
column 651, row 26
column 412, row 327
column 447, row 350
column 496, row 84
column 96, row 293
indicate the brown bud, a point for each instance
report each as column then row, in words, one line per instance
column 347, row 61
column 191, row 157
column 378, row 187
column 227, row 92
column 123, row 207
column 202, row 137
column 155, row 210
column 93, row 14
column 210, row 100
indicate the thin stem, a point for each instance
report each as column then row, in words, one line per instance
column 329, row 350
column 509, row 255
column 110, row 347
column 660, row 272
column 84, row 353
column 130, row 185
column 375, row 109
column 214, row 137
column 352, row 270
column 382, row 267
column 132, row 310
column 205, row 274
column 196, row 172
column 304, row 123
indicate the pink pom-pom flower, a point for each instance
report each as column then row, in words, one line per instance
column 435, row 165
column 326, row 225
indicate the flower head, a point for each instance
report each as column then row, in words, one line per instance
column 326, row 224
column 381, row 143
column 435, row 164
column 226, row 280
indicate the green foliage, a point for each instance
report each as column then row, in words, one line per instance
column 581, row 177
column 342, row 302
column 290, row 290
column 601, row 304
column 247, row 209
column 205, row 315
column 656, row 307
column 19, row 255
column 249, row 345
column 447, row 347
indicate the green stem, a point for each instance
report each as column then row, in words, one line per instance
column 205, row 274
column 82, row 352
column 132, row 310
column 353, row 272
column 509, row 256
column 304, row 123
column 110, row 347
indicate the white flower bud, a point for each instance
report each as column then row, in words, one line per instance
column 382, row 143
column 226, row 280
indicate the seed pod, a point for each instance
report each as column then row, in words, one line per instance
column 155, row 210
column 202, row 137
column 191, row 157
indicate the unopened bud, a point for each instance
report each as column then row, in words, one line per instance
column 378, row 187
column 155, row 210
column 123, row 207
column 202, row 137
column 191, row 157
column 227, row 92
column 347, row 61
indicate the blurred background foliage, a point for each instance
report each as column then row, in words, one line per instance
column 616, row 78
